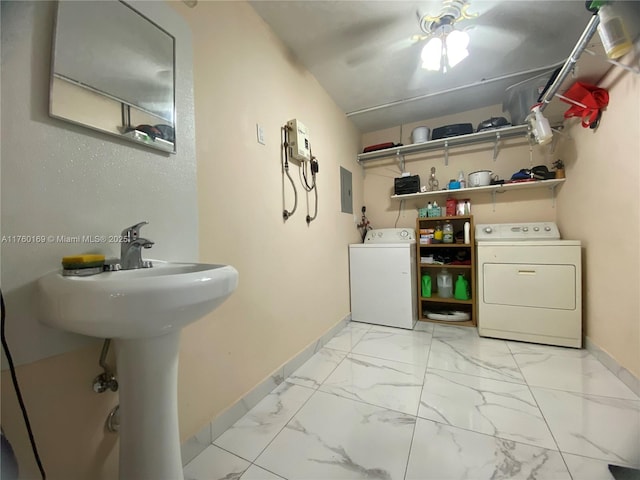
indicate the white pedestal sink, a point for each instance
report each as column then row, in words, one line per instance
column 143, row 312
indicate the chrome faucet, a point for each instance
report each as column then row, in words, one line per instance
column 131, row 247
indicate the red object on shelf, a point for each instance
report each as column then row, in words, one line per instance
column 460, row 262
column 451, row 207
column 380, row 146
column 586, row 102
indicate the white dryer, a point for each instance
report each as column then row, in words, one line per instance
column 383, row 281
column 529, row 284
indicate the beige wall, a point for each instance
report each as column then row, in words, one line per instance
column 80, row 105
column 600, row 206
column 67, row 418
column 514, row 154
column 294, row 283
column 294, row 280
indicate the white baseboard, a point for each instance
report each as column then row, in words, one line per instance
column 194, row 445
column 628, row 378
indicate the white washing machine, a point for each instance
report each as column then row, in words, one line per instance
column 382, row 273
column 529, row 284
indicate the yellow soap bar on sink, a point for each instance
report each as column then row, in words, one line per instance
column 83, row 261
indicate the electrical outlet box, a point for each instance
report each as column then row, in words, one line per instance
column 299, row 147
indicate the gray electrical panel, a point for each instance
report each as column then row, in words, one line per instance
column 346, row 194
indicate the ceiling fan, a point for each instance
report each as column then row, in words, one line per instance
column 451, row 11
column 446, row 46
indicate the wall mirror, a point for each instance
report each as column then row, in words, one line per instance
column 113, row 70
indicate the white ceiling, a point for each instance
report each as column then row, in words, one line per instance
column 362, row 54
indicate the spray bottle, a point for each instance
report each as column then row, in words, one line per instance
column 541, row 128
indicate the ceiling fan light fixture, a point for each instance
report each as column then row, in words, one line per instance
column 446, row 46
column 445, row 50
column 457, row 42
column 432, row 54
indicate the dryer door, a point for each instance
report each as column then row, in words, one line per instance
column 530, row 285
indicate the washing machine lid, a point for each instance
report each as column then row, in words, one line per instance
column 517, row 231
column 390, row 235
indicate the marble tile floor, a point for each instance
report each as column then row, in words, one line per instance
column 438, row 402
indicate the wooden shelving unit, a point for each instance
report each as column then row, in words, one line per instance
column 435, row 302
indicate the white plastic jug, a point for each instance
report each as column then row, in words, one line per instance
column 420, row 135
column 445, row 284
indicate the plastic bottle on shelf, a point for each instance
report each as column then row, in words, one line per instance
column 462, row 288
column 447, row 232
column 467, row 233
column 426, row 286
column 541, row 128
column 433, row 181
column 436, row 212
column 429, row 210
column 463, row 183
column 614, row 36
column 437, row 234
column 445, row 284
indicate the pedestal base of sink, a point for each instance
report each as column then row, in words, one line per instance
column 148, row 388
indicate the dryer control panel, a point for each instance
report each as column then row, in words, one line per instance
column 391, row 235
column 505, row 232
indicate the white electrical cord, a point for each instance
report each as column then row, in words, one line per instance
column 286, row 214
column 315, row 212
column 399, row 212
column 313, row 162
column 302, row 173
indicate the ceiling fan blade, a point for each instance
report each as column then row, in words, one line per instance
column 372, row 53
column 353, row 38
column 481, row 36
column 418, row 38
